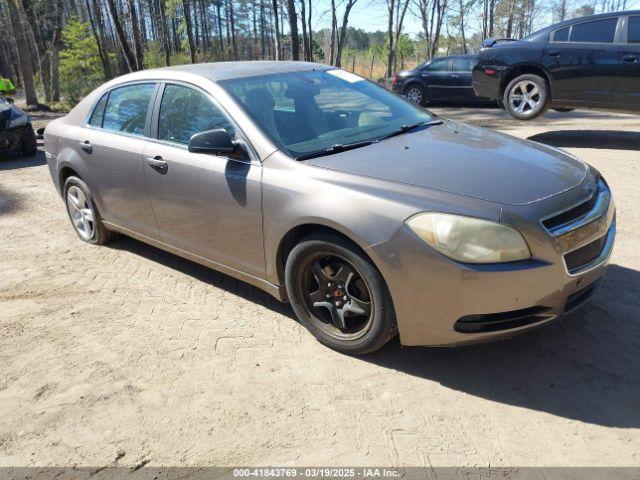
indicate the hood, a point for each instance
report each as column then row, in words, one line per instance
column 465, row 160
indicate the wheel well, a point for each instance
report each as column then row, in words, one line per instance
column 297, row 234
column 411, row 84
column 521, row 70
column 65, row 173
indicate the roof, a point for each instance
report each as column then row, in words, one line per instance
column 226, row 70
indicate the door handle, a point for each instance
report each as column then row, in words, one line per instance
column 86, row 146
column 630, row 58
column 554, row 54
column 158, row 164
column 453, row 75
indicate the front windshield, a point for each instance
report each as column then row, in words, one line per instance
column 306, row 112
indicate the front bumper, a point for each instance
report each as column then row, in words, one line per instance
column 10, row 139
column 440, row 302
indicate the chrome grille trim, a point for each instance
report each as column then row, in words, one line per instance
column 596, row 262
column 599, row 209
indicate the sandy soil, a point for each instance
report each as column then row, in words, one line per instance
column 124, row 354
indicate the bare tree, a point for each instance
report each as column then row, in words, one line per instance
column 343, row 31
column 293, row 26
column 137, row 43
column 23, row 53
column 277, row 31
column 122, row 38
column 187, row 23
column 56, row 46
column 42, row 49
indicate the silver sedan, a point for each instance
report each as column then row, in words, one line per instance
column 369, row 215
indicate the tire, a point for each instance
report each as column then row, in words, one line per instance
column 28, row 142
column 88, row 228
column 564, row 109
column 522, row 87
column 415, row 94
column 361, row 331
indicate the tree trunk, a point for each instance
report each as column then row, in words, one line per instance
column 136, row 35
column 219, row 20
column 98, row 34
column 23, row 54
column 187, row 23
column 56, row 44
column 293, row 27
column 122, row 38
column 305, row 43
column 165, row 34
column 343, row 31
column 232, row 21
column 334, row 28
column 277, row 30
column 391, row 49
column 310, row 28
column 41, row 48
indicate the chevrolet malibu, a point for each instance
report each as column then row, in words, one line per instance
column 368, row 214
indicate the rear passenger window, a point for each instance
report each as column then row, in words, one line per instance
column 561, row 35
column 127, row 108
column 98, row 112
column 633, row 35
column 598, row 31
column 185, row 112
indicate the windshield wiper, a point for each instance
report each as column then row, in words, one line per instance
column 337, row 148
column 411, row 126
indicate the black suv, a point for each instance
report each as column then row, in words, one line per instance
column 587, row 62
column 440, row 79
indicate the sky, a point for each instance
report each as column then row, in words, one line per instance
column 371, row 15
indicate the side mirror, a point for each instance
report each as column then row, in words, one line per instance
column 216, row 142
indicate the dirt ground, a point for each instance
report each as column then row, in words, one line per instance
column 124, row 354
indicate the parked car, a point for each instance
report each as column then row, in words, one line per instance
column 16, row 132
column 586, row 62
column 370, row 215
column 441, row 79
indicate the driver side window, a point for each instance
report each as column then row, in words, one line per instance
column 185, row 112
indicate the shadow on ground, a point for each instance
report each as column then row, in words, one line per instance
column 203, row 274
column 601, row 139
column 13, row 162
column 584, row 367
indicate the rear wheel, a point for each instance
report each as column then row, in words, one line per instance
column 28, row 142
column 526, row 97
column 339, row 296
column 84, row 215
column 415, row 94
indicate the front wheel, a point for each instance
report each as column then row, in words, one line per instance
column 339, row 296
column 526, row 97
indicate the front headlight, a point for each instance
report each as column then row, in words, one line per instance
column 470, row 240
column 20, row 121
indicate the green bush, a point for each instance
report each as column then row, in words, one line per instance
column 80, row 66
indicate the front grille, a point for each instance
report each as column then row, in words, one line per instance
column 571, row 215
column 584, row 255
column 493, row 322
